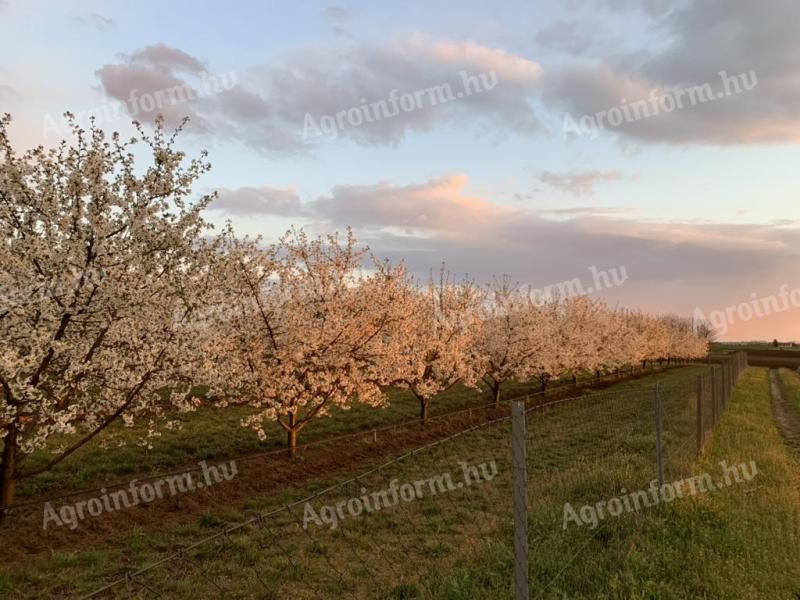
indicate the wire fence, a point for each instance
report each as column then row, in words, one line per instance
column 603, row 456
column 426, row 521
column 385, row 436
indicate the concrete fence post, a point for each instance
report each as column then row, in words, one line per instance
column 519, row 467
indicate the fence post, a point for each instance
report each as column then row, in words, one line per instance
column 519, row 467
column 714, row 394
column 699, row 414
column 727, row 372
column 726, row 378
column 659, row 453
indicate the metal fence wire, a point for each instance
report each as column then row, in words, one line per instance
column 495, row 491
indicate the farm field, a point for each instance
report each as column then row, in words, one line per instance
column 763, row 355
column 779, row 359
column 348, row 300
column 458, row 544
column 214, row 434
column 762, row 348
column 264, row 472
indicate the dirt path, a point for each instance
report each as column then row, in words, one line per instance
column 788, row 420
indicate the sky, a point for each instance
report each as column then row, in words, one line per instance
column 543, row 140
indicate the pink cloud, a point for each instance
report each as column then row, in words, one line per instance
column 438, row 205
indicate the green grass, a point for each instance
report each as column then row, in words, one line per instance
column 214, row 434
column 790, row 386
column 453, row 545
column 737, row 542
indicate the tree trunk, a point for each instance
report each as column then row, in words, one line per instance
column 574, row 379
column 8, row 469
column 543, row 379
column 496, row 394
column 423, row 410
column 291, row 436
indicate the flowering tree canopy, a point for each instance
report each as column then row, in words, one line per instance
column 435, row 349
column 305, row 329
column 518, row 340
column 101, row 273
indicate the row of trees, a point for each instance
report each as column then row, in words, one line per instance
column 116, row 300
column 303, row 327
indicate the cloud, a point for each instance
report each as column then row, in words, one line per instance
column 439, row 205
column 576, row 37
column 337, row 14
column 159, row 79
column 696, row 41
column 671, row 266
column 338, row 17
column 441, row 217
column 268, row 110
column 573, row 211
column 163, row 58
column 579, row 183
column 259, row 201
column 97, row 21
column 653, row 8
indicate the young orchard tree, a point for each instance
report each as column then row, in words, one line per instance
column 632, row 339
column 102, row 272
column 612, row 344
column 305, row 329
column 688, row 342
column 517, row 341
column 679, row 337
column 435, row 350
column 657, row 339
column 579, row 321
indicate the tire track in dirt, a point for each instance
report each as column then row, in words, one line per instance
column 787, row 419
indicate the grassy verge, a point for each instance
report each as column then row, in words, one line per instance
column 447, row 545
column 215, row 434
column 740, row 541
column 790, row 386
